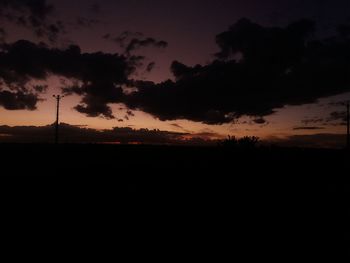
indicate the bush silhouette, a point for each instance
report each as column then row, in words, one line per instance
column 247, row 142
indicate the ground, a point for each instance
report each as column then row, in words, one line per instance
column 269, row 202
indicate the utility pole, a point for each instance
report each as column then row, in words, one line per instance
column 348, row 125
column 58, row 99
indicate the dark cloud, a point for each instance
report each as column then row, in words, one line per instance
column 177, row 126
column 2, row 35
column 93, row 108
column 92, row 19
column 40, row 88
column 259, row 70
column 314, row 120
column 87, row 22
column 131, row 41
column 101, row 75
column 18, row 100
column 336, row 141
column 275, row 46
column 308, row 128
column 342, row 103
column 95, row 8
column 150, row 66
column 338, row 116
column 33, row 14
column 37, row 9
column 124, row 38
column 130, row 113
column 260, row 121
column 146, row 42
column 209, row 135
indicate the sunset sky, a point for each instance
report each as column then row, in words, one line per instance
column 190, row 32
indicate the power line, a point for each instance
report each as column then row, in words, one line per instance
column 58, row 100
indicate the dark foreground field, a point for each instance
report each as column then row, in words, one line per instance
column 272, row 203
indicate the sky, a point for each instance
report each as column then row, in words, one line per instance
column 112, row 60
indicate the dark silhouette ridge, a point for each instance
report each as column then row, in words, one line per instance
column 271, row 202
column 127, row 135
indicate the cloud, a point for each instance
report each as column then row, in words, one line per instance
column 274, row 46
column 87, row 22
column 336, row 141
column 150, row 66
column 338, row 116
column 33, row 14
column 308, row 128
column 258, row 70
column 260, row 121
column 36, row 9
column 210, row 135
column 18, row 100
column 314, row 120
column 277, row 66
column 342, row 103
column 100, row 75
column 335, row 118
column 146, row 42
column 130, row 113
column 177, row 126
column 93, row 108
column 132, row 41
column 95, row 8
column 2, row 35
column 41, row 88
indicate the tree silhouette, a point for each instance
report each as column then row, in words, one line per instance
column 247, row 142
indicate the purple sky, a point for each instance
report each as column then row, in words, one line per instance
column 189, row 27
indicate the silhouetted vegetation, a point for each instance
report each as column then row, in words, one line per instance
column 245, row 143
column 294, row 196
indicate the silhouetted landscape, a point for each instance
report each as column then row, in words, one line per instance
column 222, row 125
column 295, row 200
